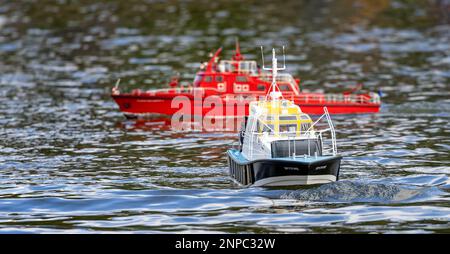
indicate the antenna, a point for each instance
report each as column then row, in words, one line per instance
column 274, row 70
column 115, row 89
column 262, row 56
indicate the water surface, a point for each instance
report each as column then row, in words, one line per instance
column 70, row 162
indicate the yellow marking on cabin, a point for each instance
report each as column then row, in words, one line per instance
column 277, row 109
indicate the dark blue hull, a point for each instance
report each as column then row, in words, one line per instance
column 283, row 171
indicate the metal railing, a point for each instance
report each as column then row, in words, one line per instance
column 312, row 136
column 178, row 90
column 336, row 98
column 300, row 98
column 314, row 98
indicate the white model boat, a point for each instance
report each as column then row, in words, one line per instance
column 279, row 145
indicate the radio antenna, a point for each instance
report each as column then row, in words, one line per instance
column 274, row 94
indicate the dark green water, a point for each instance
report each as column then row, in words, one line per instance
column 70, row 162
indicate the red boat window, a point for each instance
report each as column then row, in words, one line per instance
column 219, row 78
column 261, row 87
column 285, row 87
column 227, row 66
column 241, row 79
column 208, row 79
column 247, row 66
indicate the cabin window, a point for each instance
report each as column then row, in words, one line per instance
column 208, row 79
column 245, row 66
column 288, row 118
column 261, row 87
column 228, row 66
column 241, row 79
column 288, row 128
column 305, row 126
column 285, row 87
column 219, row 78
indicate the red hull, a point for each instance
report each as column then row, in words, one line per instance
column 139, row 106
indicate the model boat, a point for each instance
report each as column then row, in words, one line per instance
column 280, row 145
column 238, row 82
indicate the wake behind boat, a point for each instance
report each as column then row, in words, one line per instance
column 281, row 146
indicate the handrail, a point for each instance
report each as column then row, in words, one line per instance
column 182, row 90
column 333, row 133
column 299, row 98
column 291, row 136
column 330, row 98
column 356, row 98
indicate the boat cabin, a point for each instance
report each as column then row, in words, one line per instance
column 238, row 76
column 281, row 119
column 279, row 129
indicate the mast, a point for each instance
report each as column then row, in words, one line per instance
column 237, row 55
column 211, row 62
column 274, row 94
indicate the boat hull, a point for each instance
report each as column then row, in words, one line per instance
column 142, row 106
column 283, row 172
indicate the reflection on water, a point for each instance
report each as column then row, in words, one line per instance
column 70, row 162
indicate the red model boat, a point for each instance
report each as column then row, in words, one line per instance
column 224, row 88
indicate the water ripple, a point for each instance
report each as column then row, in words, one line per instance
column 70, row 162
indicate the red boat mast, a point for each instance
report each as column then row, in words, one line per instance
column 237, row 55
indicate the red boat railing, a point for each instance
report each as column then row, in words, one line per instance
column 373, row 98
column 337, row 98
column 177, row 90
